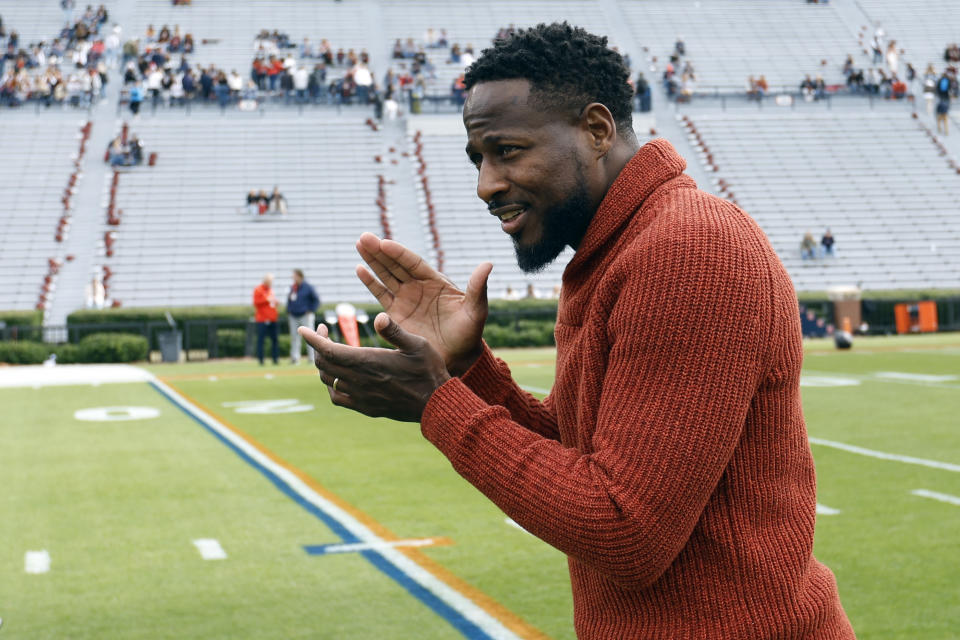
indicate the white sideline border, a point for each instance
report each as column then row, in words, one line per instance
column 70, row 374
column 453, row 598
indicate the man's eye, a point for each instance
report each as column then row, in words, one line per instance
column 508, row 149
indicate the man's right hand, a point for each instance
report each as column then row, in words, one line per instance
column 424, row 302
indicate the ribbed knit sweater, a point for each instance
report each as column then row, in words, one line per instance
column 670, row 461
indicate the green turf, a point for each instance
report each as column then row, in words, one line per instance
column 118, row 503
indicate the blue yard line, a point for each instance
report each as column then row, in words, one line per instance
column 438, row 606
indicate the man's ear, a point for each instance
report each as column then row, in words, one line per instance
column 599, row 127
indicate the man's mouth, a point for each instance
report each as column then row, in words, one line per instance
column 511, row 217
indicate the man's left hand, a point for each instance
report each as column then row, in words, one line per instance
column 391, row 383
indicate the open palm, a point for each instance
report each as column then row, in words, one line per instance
column 424, row 302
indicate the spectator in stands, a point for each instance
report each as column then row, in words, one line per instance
column 876, row 45
column 930, row 88
column 762, row 86
column 951, row 54
column 848, row 67
column 115, row 152
column 67, row 6
column 643, row 93
column 265, row 315
column 898, row 88
column 317, row 81
column 306, row 49
column 177, row 91
column 679, row 48
column 893, row 58
column 263, row 202
column 278, row 203
column 807, row 89
column 274, row 69
column 302, row 303
column 827, row 243
column 235, row 84
column 511, row 294
column 222, row 91
column 363, row 80
column 253, row 203
column 943, row 104
column 136, row 98
column 95, row 296
column 872, row 81
column 819, row 88
column 808, row 247
column 301, row 82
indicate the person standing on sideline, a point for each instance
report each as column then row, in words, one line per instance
column 670, row 461
column 265, row 306
column 302, row 303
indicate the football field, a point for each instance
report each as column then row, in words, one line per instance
column 228, row 500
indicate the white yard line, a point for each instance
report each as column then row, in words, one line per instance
column 210, row 549
column 824, row 510
column 891, row 377
column 375, row 546
column 531, row 389
column 912, row 377
column 933, row 495
column 880, row 455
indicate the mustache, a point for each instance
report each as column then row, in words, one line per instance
column 496, row 204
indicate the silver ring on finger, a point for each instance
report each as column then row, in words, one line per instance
column 335, row 381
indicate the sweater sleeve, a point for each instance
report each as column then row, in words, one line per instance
column 687, row 329
column 489, row 378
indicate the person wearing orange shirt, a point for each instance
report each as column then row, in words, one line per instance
column 265, row 306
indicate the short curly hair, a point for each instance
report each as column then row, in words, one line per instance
column 568, row 68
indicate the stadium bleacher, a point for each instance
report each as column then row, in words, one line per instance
column 729, row 41
column 229, row 28
column 476, row 24
column 34, row 179
column 922, row 28
column 874, row 179
column 185, row 236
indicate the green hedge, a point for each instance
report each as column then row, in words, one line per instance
column 21, row 318
column 112, row 347
column 522, row 333
column 102, row 347
column 23, row 352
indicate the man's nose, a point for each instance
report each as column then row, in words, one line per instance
column 490, row 182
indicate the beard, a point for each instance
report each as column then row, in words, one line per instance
column 563, row 225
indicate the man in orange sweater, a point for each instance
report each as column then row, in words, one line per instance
column 670, row 461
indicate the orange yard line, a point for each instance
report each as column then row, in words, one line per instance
column 509, row 619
